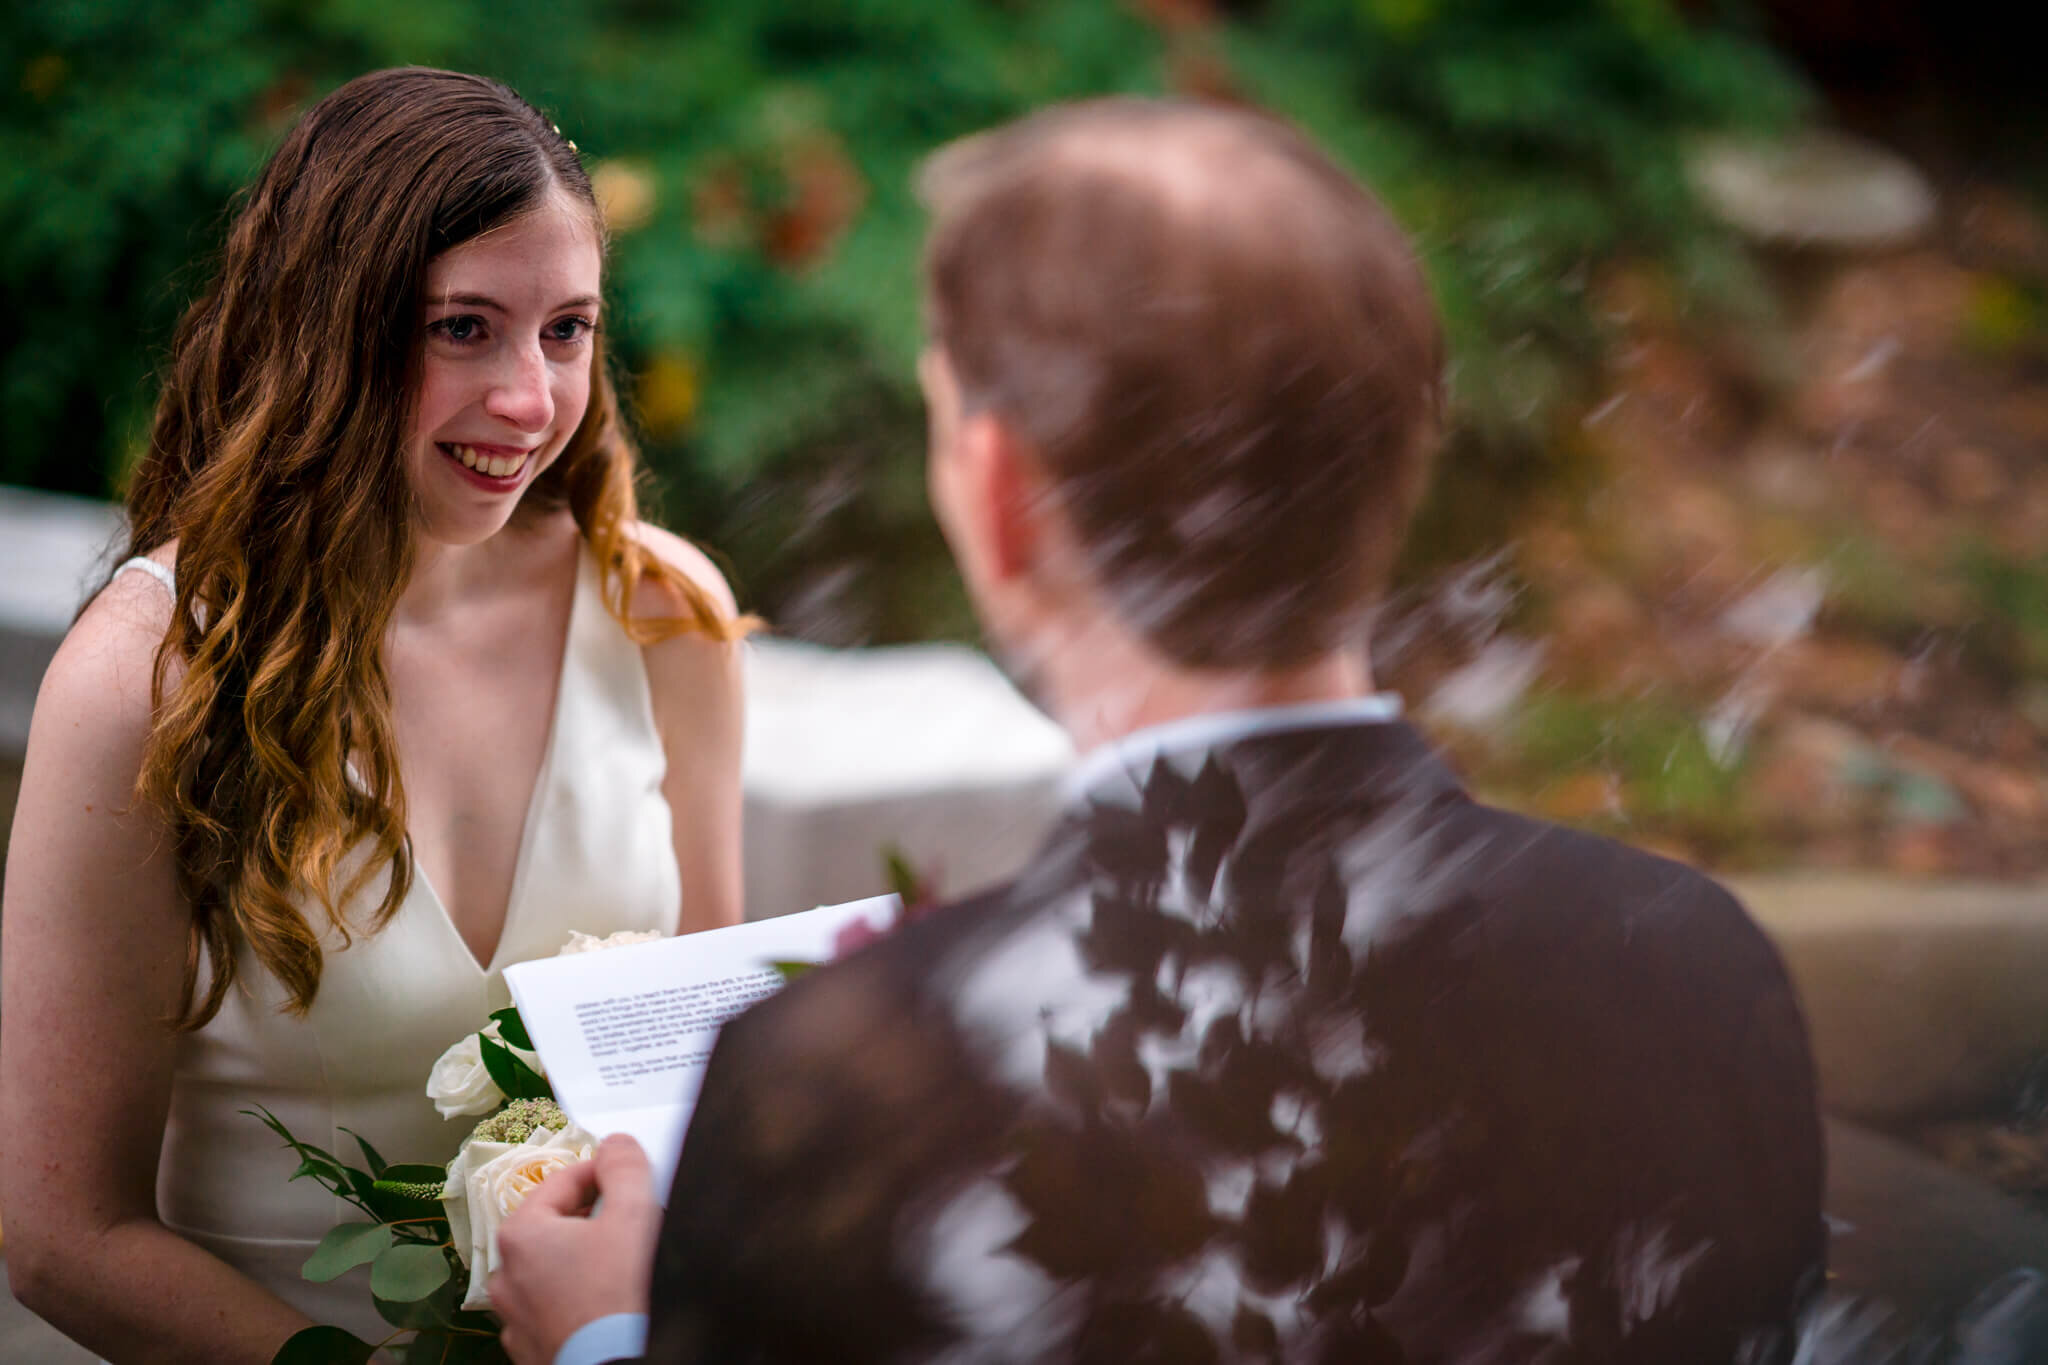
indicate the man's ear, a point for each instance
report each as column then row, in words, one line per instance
column 1007, row 492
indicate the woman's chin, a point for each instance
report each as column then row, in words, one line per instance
column 457, row 532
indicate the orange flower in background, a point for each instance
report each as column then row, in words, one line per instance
column 1179, row 15
column 41, row 77
column 666, row 394
column 626, row 194
column 793, row 202
column 721, row 211
column 827, row 192
column 1202, row 74
column 281, row 102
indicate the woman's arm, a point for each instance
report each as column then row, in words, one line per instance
column 700, row 712
column 91, row 956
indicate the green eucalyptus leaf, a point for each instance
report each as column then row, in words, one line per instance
column 323, row 1346
column 790, row 969
column 438, row 1309
column 346, row 1246
column 414, row 1316
column 512, row 1028
column 408, row 1273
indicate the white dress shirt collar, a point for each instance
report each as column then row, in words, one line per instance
column 1132, row 755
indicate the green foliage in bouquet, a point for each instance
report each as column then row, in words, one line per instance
column 511, row 1075
column 418, row 1280
column 755, row 160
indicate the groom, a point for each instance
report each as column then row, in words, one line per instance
column 1283, row 1049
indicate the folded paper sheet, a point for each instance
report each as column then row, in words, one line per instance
column 625, row 1034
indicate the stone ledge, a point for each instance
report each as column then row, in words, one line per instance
column 924, row 748
column 1923, row 999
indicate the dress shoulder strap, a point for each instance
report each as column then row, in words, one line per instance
column 153, row 569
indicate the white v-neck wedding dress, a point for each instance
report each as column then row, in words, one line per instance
column 597, row 855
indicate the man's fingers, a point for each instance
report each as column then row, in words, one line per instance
column 622, row 1171
column 508, row 1335
column 515, row 1343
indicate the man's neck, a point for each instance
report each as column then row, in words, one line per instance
column 1115, row 686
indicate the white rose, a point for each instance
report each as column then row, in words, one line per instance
column 487, row 1180
column 580, row 942
column 460, row 1084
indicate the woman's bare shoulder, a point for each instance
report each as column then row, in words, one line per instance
column 108, row 658
column 656, row 599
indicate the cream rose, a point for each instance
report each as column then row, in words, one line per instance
column 487, row 1180
column 460, row 1084
column 580, row 942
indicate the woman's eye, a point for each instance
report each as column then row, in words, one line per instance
column 570, row 329
column 464, row 327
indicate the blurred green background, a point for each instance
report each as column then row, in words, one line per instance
column 757, row 157
column 1656, row 423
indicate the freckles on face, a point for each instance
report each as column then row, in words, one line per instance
column 507, row 337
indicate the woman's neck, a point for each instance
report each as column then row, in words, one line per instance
column 446, row 578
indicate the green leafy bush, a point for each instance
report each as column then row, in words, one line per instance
column 758, row 158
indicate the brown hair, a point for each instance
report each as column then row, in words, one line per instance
column 275, row 464
column 1220, row 346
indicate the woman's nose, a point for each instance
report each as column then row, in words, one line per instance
column 520, row 394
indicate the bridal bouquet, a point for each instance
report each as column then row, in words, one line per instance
column 431, row 1234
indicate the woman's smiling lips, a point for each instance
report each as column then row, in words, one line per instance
column 496, row 465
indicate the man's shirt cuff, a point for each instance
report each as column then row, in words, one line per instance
column 620, row 1336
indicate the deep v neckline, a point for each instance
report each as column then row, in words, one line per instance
column 521, row 859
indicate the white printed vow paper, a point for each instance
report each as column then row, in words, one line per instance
column 625, row 1033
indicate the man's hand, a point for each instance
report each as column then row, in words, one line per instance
column 561, row 1265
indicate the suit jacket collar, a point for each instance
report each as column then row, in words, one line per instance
column 1137, row 751
column 1357, row 763
column 1278, row 804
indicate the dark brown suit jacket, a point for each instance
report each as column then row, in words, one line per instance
column 1282, row 1051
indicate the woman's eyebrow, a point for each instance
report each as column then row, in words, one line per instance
column 486, row 301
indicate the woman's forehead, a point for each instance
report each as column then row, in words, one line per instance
column 537, row 259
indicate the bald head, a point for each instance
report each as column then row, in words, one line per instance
column 1218, row 344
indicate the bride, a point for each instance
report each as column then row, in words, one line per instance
column 395, row 690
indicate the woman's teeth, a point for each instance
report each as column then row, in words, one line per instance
column 497, row 466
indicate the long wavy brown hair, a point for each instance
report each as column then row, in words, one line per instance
column 275, row 464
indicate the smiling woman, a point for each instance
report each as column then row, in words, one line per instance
column 394, row 690
column 505, row 371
